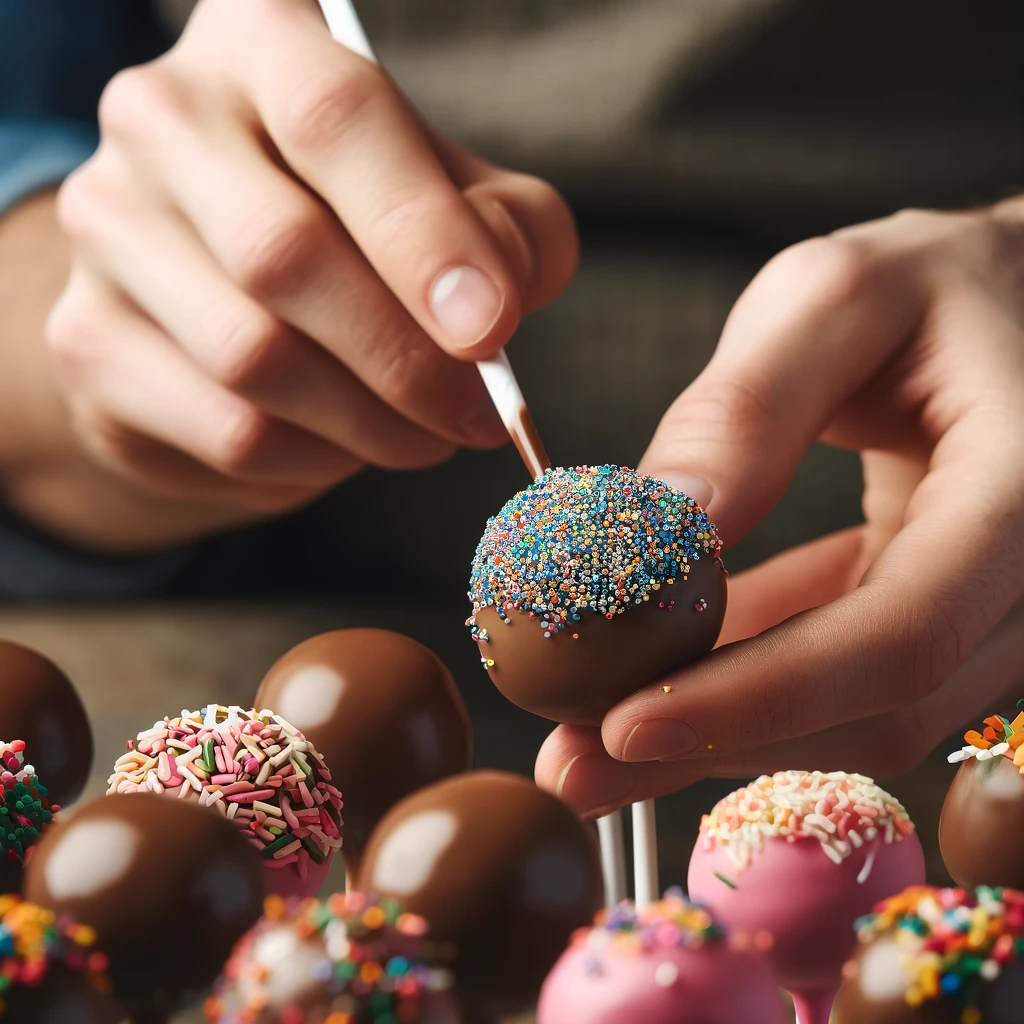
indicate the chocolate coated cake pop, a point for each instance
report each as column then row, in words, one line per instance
column 590, row 584
column 349, row 958
column 39, row 705
column 666, row 963
column 981, row 830
column 502, row 870
column 25, row 812
column 257, row 771
column 383, row 711
column 938, row 956
column 50, row 971
column 800, row 856
column 167, row 887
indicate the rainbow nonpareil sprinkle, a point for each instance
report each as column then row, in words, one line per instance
column 999, row 737
column 32, row 940
column 25, row 808
column 350, row 959
column 254, row 768
column 841, row 811
column 597, row 539
column 950, row 942
column 670, row 923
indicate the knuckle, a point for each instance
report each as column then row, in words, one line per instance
column 249, row 351
column 81, row 200
column 720, row 407
column 835, row 270
column 240, row 440
column 136, row 98
column 277, row 246
column 322, row 108
column 72, row 337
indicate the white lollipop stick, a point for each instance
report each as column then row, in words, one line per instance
column 645, row 853
column 613, row 858
column 496, row 371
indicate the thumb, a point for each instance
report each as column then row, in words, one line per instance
column 811, row 329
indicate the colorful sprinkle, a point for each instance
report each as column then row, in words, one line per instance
column 253, row 767
column 368, row 963
column 32, row 940
column 25, row 808
column 725, row 879
column 841, row 811
column 951, row 942
column 999, row 737
column 598, row 539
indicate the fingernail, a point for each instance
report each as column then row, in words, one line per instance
column 465, row 303
column 660, row 738
column 692, row 486
column 590, row 781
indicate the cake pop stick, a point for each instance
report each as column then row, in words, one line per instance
column 645, row 853
column 613, row 862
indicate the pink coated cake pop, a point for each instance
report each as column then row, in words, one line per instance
column 666, row 963
column 258, row 771
column 802, row 856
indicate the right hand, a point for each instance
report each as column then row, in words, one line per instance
column 280, row 273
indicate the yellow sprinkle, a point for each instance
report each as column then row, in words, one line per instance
column 666, row 689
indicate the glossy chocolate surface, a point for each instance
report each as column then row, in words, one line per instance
column 578, row 681
column 981, row 831
column 39, row 705
column 384, row 712
column 64, row 997
column 1000, row 1001
column 499, row 868
column 168, row 886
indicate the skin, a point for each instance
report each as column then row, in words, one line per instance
column 248, row 320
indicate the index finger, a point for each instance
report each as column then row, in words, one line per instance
column 935, row 592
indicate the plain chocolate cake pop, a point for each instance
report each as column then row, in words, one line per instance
column 349, row 958
column 39, row 705
column 938, row 956
column 256, row 770
column 384, row 712
column 25, row 812
column 800, row 856
column 167, row 887
column 590, row 584
column 50, row 971
column 502, row 870
column 981, row 830
column 665, row 963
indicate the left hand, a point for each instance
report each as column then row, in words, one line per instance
column 902, row 339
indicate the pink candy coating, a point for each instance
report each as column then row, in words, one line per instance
column 805, row 901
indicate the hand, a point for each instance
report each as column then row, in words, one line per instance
column 280, row 273
column 902, row 339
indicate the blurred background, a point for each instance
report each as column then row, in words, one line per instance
column 694, row 139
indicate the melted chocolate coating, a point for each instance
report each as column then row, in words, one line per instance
column 39, row 705
column 981, row 829
column 499, row 868
column 578, row 681
column 383, row 711
column 1000, row 1002
column 168, row 886
column 64, row 997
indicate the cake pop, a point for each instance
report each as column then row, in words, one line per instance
column 259, row 772
column 39, row 705
column 502, row 870
column 801, row 856
column 985, row 801
column 666, row 963
column 938, row 956
column 25, row 811
column 352, row 691
column 351, row 958
column 50, row 972
column 167, row 887
column 590, row 584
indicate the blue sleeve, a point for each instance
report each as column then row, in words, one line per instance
column 35, row 155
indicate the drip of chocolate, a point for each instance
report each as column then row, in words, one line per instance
column 39, row 705
column 525, row 437
column 383, row 711
column 167, row 886
column 982, row 825
column 502, row 870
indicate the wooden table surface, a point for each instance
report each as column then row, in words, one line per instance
column 133, row 665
